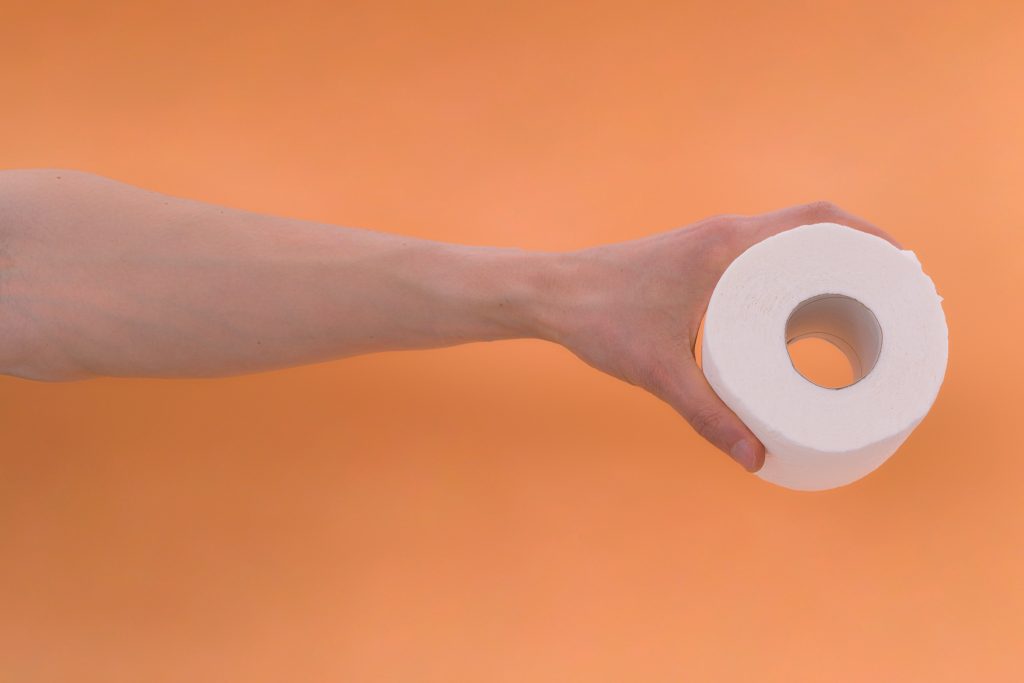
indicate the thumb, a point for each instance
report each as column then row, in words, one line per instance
column 688, row 392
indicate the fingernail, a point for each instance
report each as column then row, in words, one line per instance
column 743, row 452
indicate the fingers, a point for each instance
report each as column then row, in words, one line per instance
column 765, row 225
column 685, row 389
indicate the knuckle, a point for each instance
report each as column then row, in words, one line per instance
column 725, row 220
column 722, row 235
column 706, row 421
column 822, row 208
column 728, row 225
column 718, row 225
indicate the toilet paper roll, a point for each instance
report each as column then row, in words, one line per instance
column 859, row 292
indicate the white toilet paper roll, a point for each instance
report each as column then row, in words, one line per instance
column 861, row 293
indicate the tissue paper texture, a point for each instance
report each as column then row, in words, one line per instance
column 815, row 437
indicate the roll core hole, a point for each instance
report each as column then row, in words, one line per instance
column 833, row 340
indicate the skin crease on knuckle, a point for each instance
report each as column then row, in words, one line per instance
column 823, row 209
column 706, row 421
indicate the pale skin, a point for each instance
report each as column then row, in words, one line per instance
column 103, row 279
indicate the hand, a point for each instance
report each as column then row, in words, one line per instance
column 633, row 309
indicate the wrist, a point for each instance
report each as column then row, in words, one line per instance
column 517, row 293
column 548, row 294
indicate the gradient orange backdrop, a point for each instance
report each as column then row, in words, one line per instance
column 501, row 512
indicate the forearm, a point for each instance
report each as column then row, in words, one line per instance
column 140, row 284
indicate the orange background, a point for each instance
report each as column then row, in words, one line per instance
column 501, row 512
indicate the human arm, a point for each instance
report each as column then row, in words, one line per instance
column 100, row 278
